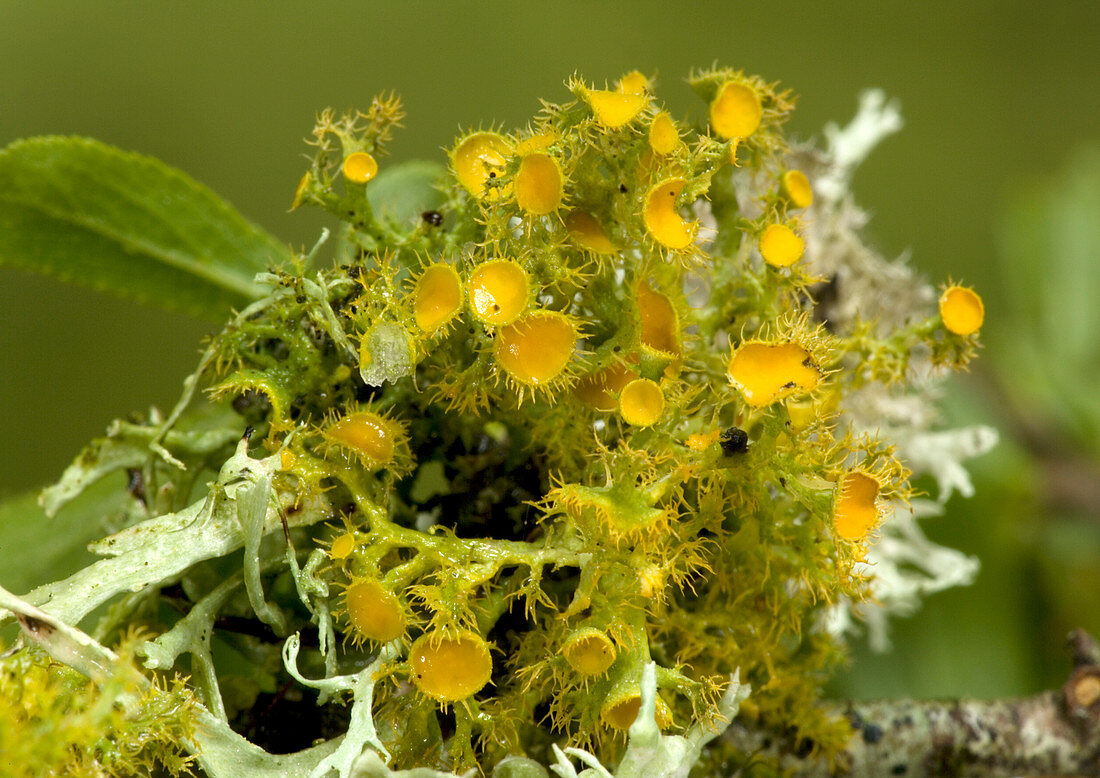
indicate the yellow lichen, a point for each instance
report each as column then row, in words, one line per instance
column 371, row 437
column 621, row 710
column 735, row 111
column 961, row 310
column 766, row 372
column 587, row 233
column 535, row 350
column 663, row 223
column 633, row 83
column 479, row 157
column 797, row 189
column 437, row 297
column 498, row 291
column 342, row 546
column 664, row 138
column 538, row 184
column 373, row 612
column 589, row 651
column 641, row 403
column 450, row 667
column 854, row 511
column 624, row 443
column 301, row 189
column 780, row 246
column 360, row 167
column 601, row 388
column 615, row 109
column 540, row 141
column 660, row 326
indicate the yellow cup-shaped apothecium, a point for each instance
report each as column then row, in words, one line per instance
column 766, row 372
column 360, row 167
column 374, row 613
column 450, row 667
column 540, row 141
column 660, row 325
column 437, row 297
column 663, row 223
column 600, row 389
column 855, row 512
column 735, row 111
column 664, row 138
column 478, row 157
column 641, row 403
column 633, row 83
column 538, row 184
column 536, row 349
column 624, row 701
column 797, row 189
column 780, row 246
column 961, row 310
column 300, row 190
column 615, row 109
column 371, row 437
column 498, row 291
column 802, row 412
column 342, row 546
column 586, row 232
column 589, row 651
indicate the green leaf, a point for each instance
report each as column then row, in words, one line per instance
column 1045, row 340
column 123, row 223
column 36, row 549
column 402, row 192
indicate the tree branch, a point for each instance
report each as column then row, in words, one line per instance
column 1055, row 733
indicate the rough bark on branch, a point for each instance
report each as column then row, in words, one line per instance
column 1055, row 733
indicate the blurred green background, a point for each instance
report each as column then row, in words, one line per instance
column 995, row 181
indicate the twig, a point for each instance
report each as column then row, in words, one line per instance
column 1054, row 733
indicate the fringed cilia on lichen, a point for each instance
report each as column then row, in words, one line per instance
column 603, row 395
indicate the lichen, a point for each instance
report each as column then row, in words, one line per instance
column 557, row 459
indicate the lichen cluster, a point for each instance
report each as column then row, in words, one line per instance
column 582, row 415
column 583, row 410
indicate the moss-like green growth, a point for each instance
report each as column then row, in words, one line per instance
column 59, row 722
